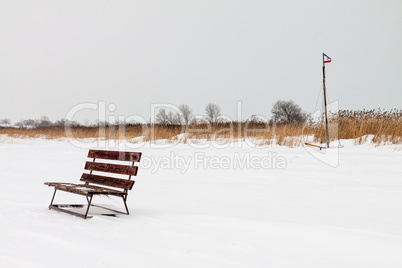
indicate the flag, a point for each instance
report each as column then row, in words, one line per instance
column 327, row 59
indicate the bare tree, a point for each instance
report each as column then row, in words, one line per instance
column 186, row 115
column 164, row 118
column 27, row 123
column 44, row 122
column 60, row 123
column 5, row 121
column 173, row 118
column 213, row 112
column 258, row 119
column 287, row 112
column 161, row 117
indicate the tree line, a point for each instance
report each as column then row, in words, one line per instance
column 283, row 112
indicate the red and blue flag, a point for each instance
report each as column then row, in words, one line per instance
column 327, row 59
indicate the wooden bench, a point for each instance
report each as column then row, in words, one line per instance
column 94, row 184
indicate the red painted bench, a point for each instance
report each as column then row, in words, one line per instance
column 95, row 184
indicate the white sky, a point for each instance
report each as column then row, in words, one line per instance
column 57, row 54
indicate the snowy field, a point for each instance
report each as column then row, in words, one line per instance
column 201, row 208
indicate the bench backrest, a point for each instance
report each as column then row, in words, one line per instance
column 130, row 170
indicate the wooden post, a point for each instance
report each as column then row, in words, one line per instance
column 325, row 98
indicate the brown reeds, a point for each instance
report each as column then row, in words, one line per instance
column 382, row 126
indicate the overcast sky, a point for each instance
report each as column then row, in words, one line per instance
column 57, row 54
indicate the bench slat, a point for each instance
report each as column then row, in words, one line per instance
column 115, row 155
column 84, row 189
column 107, row 181
column 111, row 168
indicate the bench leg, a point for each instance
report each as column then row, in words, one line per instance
column 89, row 205
column 51, row 203
column 59, row 207
column 117, row 211
column 125, row 204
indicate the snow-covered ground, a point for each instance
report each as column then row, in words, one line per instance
column 237, row 206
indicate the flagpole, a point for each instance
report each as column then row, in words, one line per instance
column 325, row 98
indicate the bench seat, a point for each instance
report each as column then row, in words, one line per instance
column 84, row 189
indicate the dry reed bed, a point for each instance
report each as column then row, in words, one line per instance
column 385, row 126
